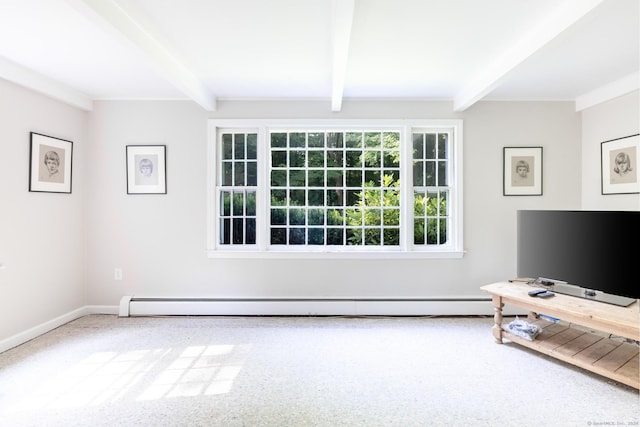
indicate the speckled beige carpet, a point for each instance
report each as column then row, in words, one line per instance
column 274, row 371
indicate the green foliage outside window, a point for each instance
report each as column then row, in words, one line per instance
column 376, row 207
column 428, row 212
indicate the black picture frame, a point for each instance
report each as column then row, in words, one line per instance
column 522, row 171
column 50, row 164
column 619, row 165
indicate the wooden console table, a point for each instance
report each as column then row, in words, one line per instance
column 602, row 350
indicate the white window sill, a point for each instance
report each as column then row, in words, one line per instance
column 284, row 254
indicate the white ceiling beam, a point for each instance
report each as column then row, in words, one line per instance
column 161, row 59
column 564, row 16
column 341, row 24
column 609, row 91
column 37, row 82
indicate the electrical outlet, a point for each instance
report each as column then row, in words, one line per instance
column 117, row 274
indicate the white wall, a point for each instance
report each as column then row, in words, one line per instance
column 159, row 241
column 614, row 119
column 41, row 235
column 59, row 250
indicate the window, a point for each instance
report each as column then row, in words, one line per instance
column 431, row 164
column 238, row 187
column 335, row 187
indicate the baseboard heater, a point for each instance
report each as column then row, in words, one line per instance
column 150, row 306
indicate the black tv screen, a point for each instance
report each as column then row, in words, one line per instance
column 594, row 250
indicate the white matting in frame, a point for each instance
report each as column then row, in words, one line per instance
column 146, row 169
column 50, row 164
column 619, row 165
column 522, row 171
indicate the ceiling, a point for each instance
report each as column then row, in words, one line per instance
column 461, row 51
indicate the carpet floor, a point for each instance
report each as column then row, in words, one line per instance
column 101, row 370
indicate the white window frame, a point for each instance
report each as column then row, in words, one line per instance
column 406, row 250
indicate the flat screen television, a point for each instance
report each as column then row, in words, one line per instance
column 588, row 254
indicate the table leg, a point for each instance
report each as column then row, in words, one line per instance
column 497, row 318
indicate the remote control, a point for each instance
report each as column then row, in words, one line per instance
column 545, row 294
column 535, row 292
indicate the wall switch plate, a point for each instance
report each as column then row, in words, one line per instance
column 117, row 274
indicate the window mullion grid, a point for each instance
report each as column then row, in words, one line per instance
column 362, row 169
column 406, row 192
column 436, row 190
column 221, row 190
column 450, row 206
column 325, row 189
column 238, row 194
column 441, row 191
column 433, row 193
column 235, row 225
column 444, row 190
column 304, row 207
column 447, row 187
column 326, row 206
column 330, row 188
column 263, row 204
column 406, row 188
column 219, row 194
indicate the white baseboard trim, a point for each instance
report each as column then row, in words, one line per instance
column 40, row 329
column 134, row 306
column 147, row 306
column 43, row 328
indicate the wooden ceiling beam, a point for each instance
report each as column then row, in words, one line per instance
column 341, row 24
column 566, row 14
column 37, row 82
column 111, row 17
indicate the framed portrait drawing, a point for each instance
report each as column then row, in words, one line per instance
column 522, row 171
column 50, row 164
column 619, row 165
column 146, row 169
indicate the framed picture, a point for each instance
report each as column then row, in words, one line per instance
column 522, row 171
column 146, row 169
column 619, row 165
column 50, row 164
